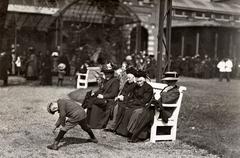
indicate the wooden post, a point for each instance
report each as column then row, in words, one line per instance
column 230, row 45
column 15, row 34
column 61, row 34
column 169, row 32
column 197, row 44
column 182, row 45
column 138, row 38
column 160, row 38
column 216, row 45
column 56, row 32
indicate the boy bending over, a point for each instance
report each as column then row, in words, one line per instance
column 76, row 116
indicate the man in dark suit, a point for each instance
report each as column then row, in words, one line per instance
column 102, row 101
column 169, row 95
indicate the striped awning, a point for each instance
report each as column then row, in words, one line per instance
column 104, row 12
column 41, row 14
column 204, row 23
column 225, row 7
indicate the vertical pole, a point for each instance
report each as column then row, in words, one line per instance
column 15, row 34
column 216, row 45
column 56, row 32
column 230, row 45
column 169, row 32
column 61, row 35
column 182, row 45
column 197, row 44
column 160, row 38
column 138, row 38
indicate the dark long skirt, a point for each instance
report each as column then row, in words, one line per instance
column 122, row 124
column 98, row 115
column 143, row 125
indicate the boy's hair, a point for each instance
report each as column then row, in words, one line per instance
column 49, row 108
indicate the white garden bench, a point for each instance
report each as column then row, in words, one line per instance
column 89, row 77
column 172, row 121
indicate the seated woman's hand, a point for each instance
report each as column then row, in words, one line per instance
column 100, row 96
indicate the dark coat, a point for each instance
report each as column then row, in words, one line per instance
column 99, row 112
column 169, row 95
column 141, row 96
column 127, row 92
column 5, row 61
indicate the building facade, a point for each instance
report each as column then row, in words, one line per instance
column 199, row 27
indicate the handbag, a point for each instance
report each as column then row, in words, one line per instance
column 87, row 100
column 100, row 102
column 165, row 115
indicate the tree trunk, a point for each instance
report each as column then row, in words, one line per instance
column 3, row 14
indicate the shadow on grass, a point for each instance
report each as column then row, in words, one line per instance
column 73, row 140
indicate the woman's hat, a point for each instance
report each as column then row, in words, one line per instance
column 129, row 57
column 131, row 70
column 61, row 66
column 170, row 76
column 55, row 54
column 141, row 73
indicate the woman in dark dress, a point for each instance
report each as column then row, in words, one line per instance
column 141, row 95
column 98, row 111
column 169, row 95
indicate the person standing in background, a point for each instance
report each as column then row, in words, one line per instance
column 18, row 63
column 61, row 74
column 225, row 68
column 4, row 66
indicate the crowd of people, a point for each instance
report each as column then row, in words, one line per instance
column 198, row 67
column 36, row 65
column 126, row 110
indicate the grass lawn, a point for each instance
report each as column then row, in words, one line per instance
column 208, row 125
column 210, row 116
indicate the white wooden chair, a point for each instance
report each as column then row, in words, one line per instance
column 172, row 121
column 89, row 77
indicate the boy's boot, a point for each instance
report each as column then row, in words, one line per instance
column 92, row 137
column 53, row 146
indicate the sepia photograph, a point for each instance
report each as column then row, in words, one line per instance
column 119, row 78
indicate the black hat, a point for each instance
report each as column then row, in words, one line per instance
column 107, row 68
column 170, row 76
column 131, row 70
column 141, row 73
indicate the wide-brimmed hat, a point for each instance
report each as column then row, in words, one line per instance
column 55, row 54
column 61, row 66
column 141, row 73
column 129, row 57
column 107, row 68
column 170, row 76
column 131, row 70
